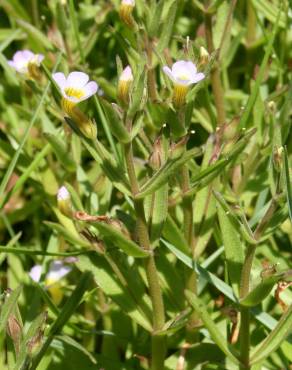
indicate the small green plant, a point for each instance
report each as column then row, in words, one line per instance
column 145, row 189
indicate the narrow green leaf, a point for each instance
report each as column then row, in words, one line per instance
column 14, row 160
column 8, row 307
column 154, row 18
column 105, row 277
column 167, row 27
column 137, row 92
column 68, row 234
column 115, row 123
column 288, row 182
column 67, row 311
column 252, row 98
column 233, row 247
column 160, row 210
column 170, row 168
column 274, row 339
column 74, row 19
column 35, row 34
column 172, row 233
column 61, row 151
column 118, row 238
column 215, row 333
column 260, row 292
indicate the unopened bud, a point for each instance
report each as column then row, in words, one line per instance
column 35, row 342
column 204, row 56
column 124, row 85
column 118, row 225
column 177, row 149
column 272, row 107
column 85, row 124
column 14, row 330
column 278, row 158
column 230, row 130
column 126, row 10
column 64, row 201
column 155, row 159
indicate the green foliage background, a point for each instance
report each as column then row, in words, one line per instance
column 240, row 185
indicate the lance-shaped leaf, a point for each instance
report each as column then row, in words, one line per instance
column 154, row 18
column 167, row 27
column 104, row 158
column 137, row 92
column 216, row 168
column 116, row 287
column 274, row 339
column 61, row 151
column 288, row 182
column 215, row 333
column 260, row 292
column 8, row 307
column 233, row 247
column 120, row 240
column 67, row 311
column 176, row 323
column 172, row 233
column 160, row 210
column 115, row 123
column 70, row 236
column 168, row 169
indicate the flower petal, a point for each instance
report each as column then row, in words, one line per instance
column 198, row 77
column 77, row 79
column 191, row 68
column 180, row 68
column 60, row 79
column 89, row 90
column 169, row 73
column 57, row 271
column 35, row 273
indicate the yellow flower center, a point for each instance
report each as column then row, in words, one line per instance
column 184, row 77
column 74, row 93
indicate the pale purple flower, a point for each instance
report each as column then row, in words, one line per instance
column 128, row 2
column 63, row 194
column 183, row 73
column 126, row 75
column 21, row 59
column 57, row 271
column 75, row 87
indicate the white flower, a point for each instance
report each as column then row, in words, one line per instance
column 128, row 2
column 63, row 194
column 127, row 75
column 21, row 60
column 183, row 73
column 57, row 271
column 75, row 88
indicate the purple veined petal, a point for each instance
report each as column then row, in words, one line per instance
column 57, row 271
column 18, row 57
column 169, row 73
column 180, row 68
column 77, row 79
column 63, row 193
column 60, row 80
column 127, row 74
column 35, row 273
column 198, row 77
column 11, row 63
column 40, row 58
column 27, row 55
column 191, row 68
column 90, row 89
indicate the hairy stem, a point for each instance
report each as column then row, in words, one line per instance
column 158, row 342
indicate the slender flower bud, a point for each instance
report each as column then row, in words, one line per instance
column 204, row 56
column 126, row 10
column 124, row 85
column 183, row 74
column 156, row 157
column 14, row 330
column 64, row 201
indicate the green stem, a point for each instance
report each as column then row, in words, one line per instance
column 244, row 338
column 215, row 74
column 158, row 342
column 251, row 24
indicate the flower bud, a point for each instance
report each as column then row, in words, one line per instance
column 204, row 56
column 14, row 330
column 126, row 10
column 64, row 202
column 278, row 158
column 85, row 124
column 156, row 157
column 124, row 85
column 177, row 149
